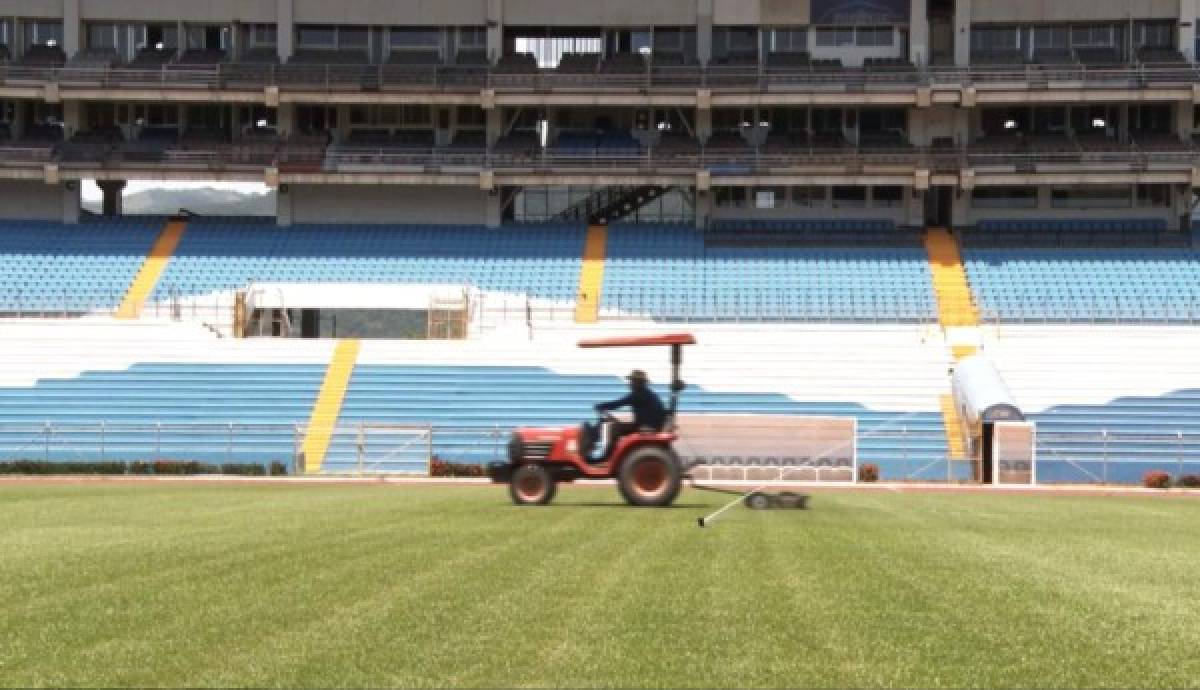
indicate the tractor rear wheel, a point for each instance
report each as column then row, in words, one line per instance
column 650, row 477
column 531, row 485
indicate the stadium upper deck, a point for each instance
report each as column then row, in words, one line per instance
column 481, row 111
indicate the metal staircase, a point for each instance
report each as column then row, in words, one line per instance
column 611, row 204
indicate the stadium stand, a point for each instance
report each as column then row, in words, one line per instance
column 51, row 267
column 579, row 63
column 148, row 374
column 472, row 392
column 43, row 56
column 1130, row 286
column 517, row 63
column 864, row 232
column 199, row 57
column 541, row 261
column 1072, row 233
column 669, row 272
column 602, row 143
column 414, row 58
column 95, row 58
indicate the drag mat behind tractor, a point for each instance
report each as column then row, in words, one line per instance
column 760, row 500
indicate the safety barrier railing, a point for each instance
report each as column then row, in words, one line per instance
column 355, row 448
column 725, row 161
column 215, row 443
column 213, row 309
column 450, row 160
column 1074, row 309
column 360, row 448
column 702, row 305
column 1114, row 457
column 373, row 77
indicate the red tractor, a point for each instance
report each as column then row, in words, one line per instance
column 647, row 470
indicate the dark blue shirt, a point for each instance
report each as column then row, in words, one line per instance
column 648, row 409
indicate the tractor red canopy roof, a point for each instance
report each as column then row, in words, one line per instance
column 642, row 341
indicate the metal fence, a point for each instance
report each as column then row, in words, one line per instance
column 366, row 448
column 355, row 448
column 357, row 77
column 728, row 305
column 232, row 161
column 1108, row 457
column 67, row 303
column 108, row 442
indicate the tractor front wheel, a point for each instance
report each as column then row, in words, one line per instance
column 650, row 477
column 531, row 485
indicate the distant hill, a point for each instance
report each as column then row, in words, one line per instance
column 205, row 201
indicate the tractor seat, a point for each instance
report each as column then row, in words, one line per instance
column 588, row 435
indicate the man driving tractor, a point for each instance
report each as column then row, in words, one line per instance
column 648, row 413
column 640, row 455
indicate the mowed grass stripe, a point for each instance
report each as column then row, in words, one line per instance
column 217, row 586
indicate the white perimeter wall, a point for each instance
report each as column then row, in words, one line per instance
column 29, row 200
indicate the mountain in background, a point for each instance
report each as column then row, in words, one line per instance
column 204, row 201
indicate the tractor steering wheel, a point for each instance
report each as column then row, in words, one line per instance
column 606, row 416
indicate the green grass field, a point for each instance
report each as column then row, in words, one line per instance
column 287, row 585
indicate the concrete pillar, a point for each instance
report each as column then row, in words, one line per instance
column 283, row 206
column 704, row 30
column 918, row 126
column 342, row 133
column 1189, row 11
column 962, row 33
column 967, row 125
column 72, row 118
column 285, row 120
column 914, row 208
column 703, row 124
column 1184, row 115
column 180, row 38
column 493, row 208
column 443, row 136
column 1045, row 198
column 72, row 202
column 960, row 213
column 551, row 128
column 112, row 189
column 704, row 204
column 918, row 33
column 72, row 25
column 285, row 29
column 18, row 123
column 495, row 29
column 495, row 126
column 16, row 39
column 234, row 46
column 1181, row 209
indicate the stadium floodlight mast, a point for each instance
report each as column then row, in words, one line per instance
column 707, row 520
